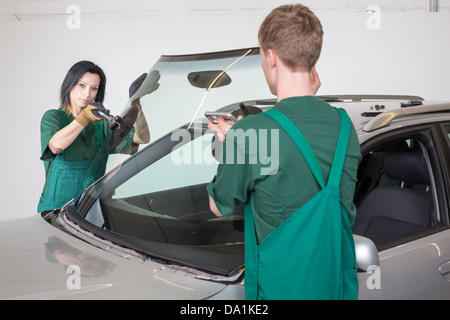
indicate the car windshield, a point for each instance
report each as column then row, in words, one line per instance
column 156, row 200
column 192, row 84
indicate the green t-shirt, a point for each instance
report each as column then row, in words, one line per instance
column 84, row 147
column 278, row 179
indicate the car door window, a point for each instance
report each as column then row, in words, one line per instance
column 396, row 191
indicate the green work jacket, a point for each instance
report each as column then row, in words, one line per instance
column 83, row 162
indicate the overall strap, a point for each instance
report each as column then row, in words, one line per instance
column 301, row 142
column 341, row 150
column 295, row 134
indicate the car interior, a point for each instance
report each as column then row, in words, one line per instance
column 187, row 220
column 394, row 195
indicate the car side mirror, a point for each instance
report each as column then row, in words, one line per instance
column 366, row 253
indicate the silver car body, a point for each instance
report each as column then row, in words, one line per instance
column 64, row 254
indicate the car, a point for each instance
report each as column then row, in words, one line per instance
column 145, row 231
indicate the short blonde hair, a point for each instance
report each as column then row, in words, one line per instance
column 295, row 33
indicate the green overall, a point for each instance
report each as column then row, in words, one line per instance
column 311, row 255
column 67, row 179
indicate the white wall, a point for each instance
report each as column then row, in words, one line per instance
column 407, row 55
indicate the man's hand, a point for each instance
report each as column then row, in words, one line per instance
column 221, row 127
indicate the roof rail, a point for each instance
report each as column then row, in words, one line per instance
column 360, row 97
column 385, row 119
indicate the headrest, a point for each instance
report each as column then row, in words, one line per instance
column 406, row 165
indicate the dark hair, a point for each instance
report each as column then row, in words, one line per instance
column 74, row 75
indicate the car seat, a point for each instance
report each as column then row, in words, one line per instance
column 391, row 212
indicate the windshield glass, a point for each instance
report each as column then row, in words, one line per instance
column 192, row 84
column 156, row 200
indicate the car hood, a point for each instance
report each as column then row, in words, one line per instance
column 39, row 261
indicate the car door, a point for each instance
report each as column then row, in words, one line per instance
column 414, row 263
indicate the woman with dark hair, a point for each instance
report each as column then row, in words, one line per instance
column 73, row 77
column 74, row 136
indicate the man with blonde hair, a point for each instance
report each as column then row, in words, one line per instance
column 298, row 241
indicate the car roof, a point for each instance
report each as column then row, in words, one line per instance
column 370, row 113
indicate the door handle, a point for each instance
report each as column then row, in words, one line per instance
column 444, row 269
